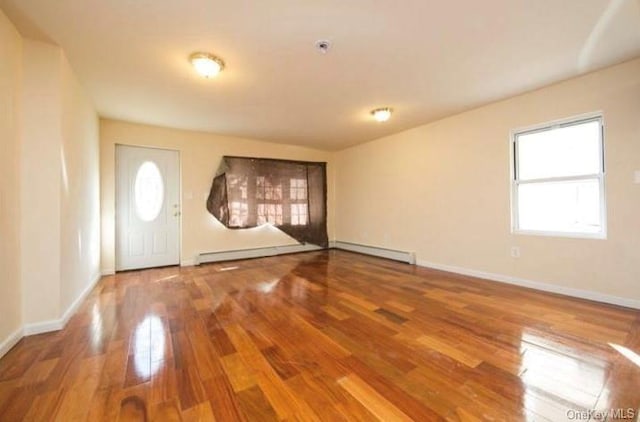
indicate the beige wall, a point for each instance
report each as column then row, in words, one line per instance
column 10, row 75
column 200, row 156
column 40, row 181
column 442, row 190
column 79, row 190
column 49, row 207
column 60, row 230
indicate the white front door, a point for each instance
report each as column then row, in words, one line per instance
column 147, row 207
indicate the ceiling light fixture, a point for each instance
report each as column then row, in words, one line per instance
column 207, row 65
column 382, row 114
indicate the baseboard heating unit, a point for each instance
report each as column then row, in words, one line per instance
column 402, row 256
column 206, row 257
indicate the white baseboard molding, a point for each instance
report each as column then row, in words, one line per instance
column 108, row 271
column 188, row 263
column 59, row 324
column 254, row 253
column 537, row 285
column 11, row 341
column 34, row 328
column 408, row 257
column 73, row 308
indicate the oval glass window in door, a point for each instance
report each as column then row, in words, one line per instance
column 148, row 191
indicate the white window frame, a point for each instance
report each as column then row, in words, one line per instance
column 515, row 182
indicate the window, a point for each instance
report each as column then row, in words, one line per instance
column 558, row 180
column 299, row 214
column 270, row 213
column 239, row 209
column 269, row 196
column 239, row 214
column 266, row 189
column 148, row 191
column 298, row 189
column 298, row 197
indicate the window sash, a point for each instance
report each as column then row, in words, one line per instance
column 550, row 127
column 600, row 176
column 559, row 179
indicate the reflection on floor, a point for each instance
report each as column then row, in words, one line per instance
column 325, row 336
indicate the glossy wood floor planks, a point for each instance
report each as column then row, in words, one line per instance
column 324, row 336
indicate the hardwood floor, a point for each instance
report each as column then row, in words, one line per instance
column 324, row 336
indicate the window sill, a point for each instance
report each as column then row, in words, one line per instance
column 570, row 235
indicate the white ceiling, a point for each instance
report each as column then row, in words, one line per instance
column 425, row 58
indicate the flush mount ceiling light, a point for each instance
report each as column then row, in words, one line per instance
column 382, row 114
column 207, row 65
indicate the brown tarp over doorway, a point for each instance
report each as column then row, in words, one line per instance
column 291, row 195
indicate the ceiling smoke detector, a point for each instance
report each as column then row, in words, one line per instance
column 323, row 46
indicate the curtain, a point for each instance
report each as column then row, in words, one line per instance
column 291, row 195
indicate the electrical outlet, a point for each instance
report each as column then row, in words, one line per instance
column 636, row 177
column 515, row 252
